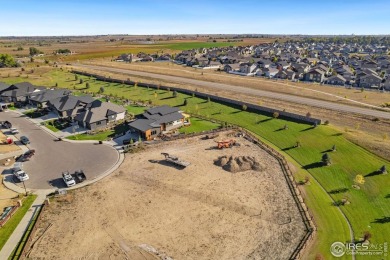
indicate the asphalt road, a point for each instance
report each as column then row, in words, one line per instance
column 248, row 91
column 52, row 157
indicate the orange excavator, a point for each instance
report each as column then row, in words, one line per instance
column 225, row 143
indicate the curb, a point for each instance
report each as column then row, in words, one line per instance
column 12, row 186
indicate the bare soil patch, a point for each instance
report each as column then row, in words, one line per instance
column 6, row 148
column 199, row 212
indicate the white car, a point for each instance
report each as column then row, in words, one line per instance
column 21, row 175
column 68, row 179
column 14, row 131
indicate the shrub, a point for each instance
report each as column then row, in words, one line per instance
column 275, row 115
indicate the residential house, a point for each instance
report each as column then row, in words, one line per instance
column 98, row 114
column 248, row 68
column 315, row 75
column 336, row 80
column 386, row 84
column 156, row 121
column 18, row 92
column 270, row 72
column 281, row 75
column 370, row 81
column 69, row 106
column 232, row 67
column 41, row 98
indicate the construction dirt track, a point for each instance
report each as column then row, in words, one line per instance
column 247, row 91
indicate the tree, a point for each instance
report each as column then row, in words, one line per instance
column 334, row 148
column 185, row 102
column 34, row 51
column 208, row 99
column 244, row 107
column 7, row 61
column 383, row 169
column 174, row 93
column 76, row 77
column 81, row 81
column 87, row 85
column 275, row 115
column 101, row 90
column 326, row 159
column 366, row 236
column 359, row 179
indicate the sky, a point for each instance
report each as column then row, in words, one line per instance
column 147, row 17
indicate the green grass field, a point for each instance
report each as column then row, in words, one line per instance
column 369, row 208
column 199, row 125
column 9, row 227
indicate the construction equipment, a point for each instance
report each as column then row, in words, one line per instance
column 175, row 160
column 210, row 136
column 225, row 143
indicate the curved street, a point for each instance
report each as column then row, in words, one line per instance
column 52, row 157
column 247, row 91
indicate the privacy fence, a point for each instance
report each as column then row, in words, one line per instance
column 231, row 102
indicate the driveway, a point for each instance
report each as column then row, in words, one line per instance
column 52, row 157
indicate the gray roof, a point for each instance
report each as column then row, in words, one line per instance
column 143, row 124
column 98, row 111
column 48, row 94
column 20, row 89
column 160, row 111
column 4, row 86
column 156, row 116
column 70, row 102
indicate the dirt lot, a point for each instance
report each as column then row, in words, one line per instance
column 7, row 197
column 6, row 148
column 200, row 212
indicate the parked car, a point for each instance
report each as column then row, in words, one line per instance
column 18, row 166
column 14, row 131
column 21, row 175
column 68, row 179
column 80, row 176
column 27, row 155
column 24, row 140
column 6, row 124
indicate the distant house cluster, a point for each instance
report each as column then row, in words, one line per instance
column 86, row 111
column 366, row 66
column 143, row 57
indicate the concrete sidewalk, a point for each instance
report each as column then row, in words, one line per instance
column 18, row 233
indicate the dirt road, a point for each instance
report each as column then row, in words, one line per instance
column 247, row 91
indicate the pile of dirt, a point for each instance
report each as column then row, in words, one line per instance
column 239, row 164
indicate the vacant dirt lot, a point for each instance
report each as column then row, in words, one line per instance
column 200, row 212
column 6, row 148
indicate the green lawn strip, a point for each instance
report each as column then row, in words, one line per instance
column 9, row 227
column 199, row 125
column 369, row 204
column 101, row 135
column 18, row 250
column 135, row 110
